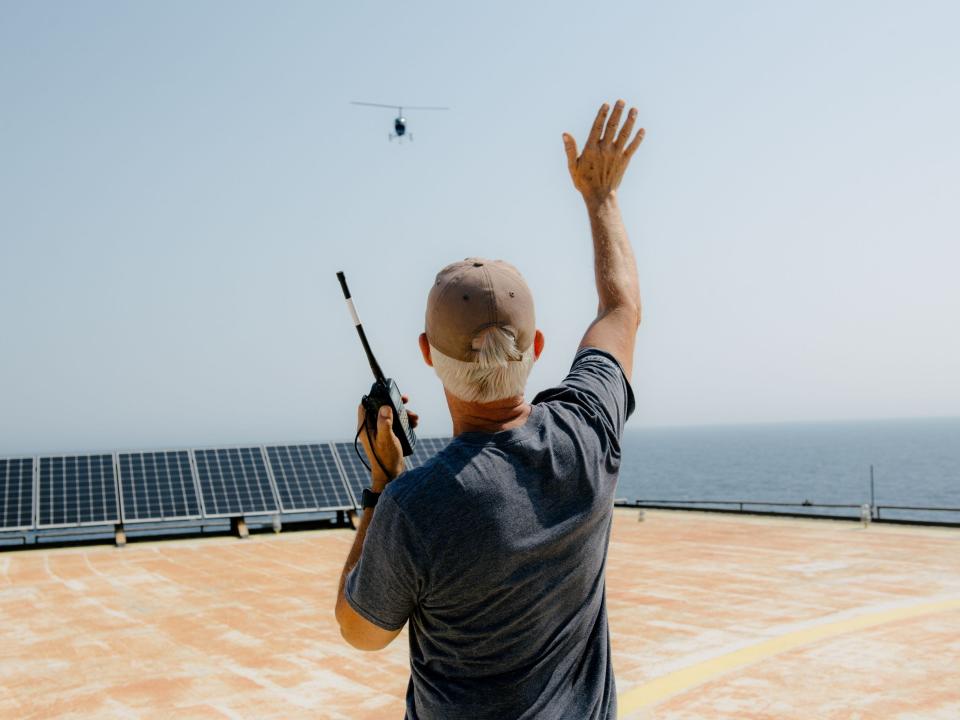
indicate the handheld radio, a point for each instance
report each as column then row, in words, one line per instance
column 384, row 390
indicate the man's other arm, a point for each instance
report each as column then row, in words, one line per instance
column 597, row 173
column 356, row 629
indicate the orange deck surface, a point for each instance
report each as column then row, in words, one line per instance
column 711, row 616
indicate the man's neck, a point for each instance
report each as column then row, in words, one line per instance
column 490, row 417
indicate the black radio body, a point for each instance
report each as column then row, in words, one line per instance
column 386, row 392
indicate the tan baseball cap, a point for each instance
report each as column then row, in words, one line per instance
column 474, row 294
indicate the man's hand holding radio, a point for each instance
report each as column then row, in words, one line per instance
column 386, row 445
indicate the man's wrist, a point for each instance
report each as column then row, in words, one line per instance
column 595, row 202
column 379, row 480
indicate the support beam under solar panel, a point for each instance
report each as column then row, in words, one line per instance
column 425, row 449
column 308, row 478
column 157, row 486
column 234, row 482
column 76, row 491
column 17, row 494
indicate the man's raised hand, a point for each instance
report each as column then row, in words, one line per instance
column 597, row 172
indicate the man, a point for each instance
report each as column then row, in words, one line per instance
column 494, row 550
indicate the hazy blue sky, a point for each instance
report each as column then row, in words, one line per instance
column 180, row 181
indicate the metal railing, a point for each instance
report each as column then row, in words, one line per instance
column 740, row 504
column 804, row 509
column 913, row 508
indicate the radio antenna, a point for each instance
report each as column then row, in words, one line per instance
column 377, row 372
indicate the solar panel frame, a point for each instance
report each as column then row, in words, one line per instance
column 108, row 485
column 125, row 514
column 257, row 452
column 425, row 449
column 32, row 484
column 330, row 465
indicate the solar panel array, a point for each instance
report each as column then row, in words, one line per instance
column 157, row 486
column 234, row 481
column 355, row 473
column 307, row 478
column 16, row 493
column 72, row 491
column 76, row 490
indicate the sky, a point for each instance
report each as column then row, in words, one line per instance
column 180, row 181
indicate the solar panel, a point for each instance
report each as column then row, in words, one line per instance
column 77, row 490
column 16, row 494
column 157, row 486
column 307, row 478
column 356, row 475
column 234, row 481
column 425, row 449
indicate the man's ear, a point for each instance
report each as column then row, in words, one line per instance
column 425, row 349
column 537, row 344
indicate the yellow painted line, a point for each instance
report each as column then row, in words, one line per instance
column 685, row 678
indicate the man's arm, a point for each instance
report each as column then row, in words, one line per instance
column 356, row 629
column 597, row 173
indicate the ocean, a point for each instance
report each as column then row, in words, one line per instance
column 916, row 463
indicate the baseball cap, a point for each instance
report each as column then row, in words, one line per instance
column 474, row 294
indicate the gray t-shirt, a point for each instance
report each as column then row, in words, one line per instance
column 495, row 550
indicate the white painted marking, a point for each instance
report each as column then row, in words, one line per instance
column 353, row 311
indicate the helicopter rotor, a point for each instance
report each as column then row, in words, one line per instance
column 400, row 108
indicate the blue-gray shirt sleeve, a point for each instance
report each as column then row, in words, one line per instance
column 384, row 585
column 597, row 389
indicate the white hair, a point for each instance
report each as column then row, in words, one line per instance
column 500, row 370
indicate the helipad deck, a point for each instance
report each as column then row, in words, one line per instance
column 711, row 616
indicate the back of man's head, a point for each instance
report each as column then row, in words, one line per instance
column 480, row 326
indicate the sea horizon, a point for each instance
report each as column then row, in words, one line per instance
column 765, row 423
column 913, row 462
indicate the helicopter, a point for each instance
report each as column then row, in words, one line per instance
column 399, row 122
